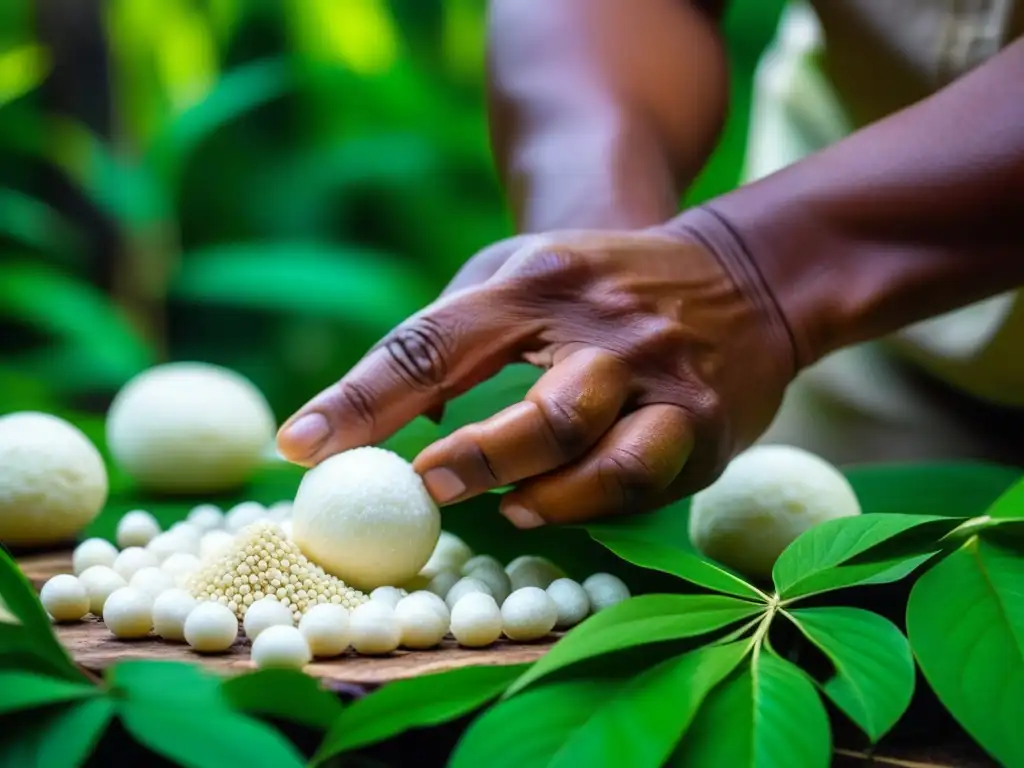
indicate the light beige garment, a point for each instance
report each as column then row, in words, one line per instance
column 833, row 68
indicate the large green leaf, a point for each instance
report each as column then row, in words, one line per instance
column 675, row 561
column 767, row 716
column 873, row 680
column 284, row 694
column 359, row 286
column 639, row 621
column 812, row 563
column 965, row 620
column 415, row 703
column 55, row 737
column 29, row 222
column 1010, row 504
column 169, row 683
column 24, row 690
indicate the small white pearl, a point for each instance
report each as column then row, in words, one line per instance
column 64, row 598
column 128, row 613
column 281, row 647
column 136, row 529
column 93, row 552
column 211, row 628
column 326, row 629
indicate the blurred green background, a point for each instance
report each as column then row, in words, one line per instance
column 269, row 185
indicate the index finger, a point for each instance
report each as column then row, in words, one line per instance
column 454, row 343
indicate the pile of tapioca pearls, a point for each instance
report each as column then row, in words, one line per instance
column 214, row 574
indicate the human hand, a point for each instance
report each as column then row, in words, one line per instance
column 663, row 360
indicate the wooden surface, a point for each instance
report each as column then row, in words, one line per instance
column 92, row 646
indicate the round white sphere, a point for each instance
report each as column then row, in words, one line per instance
column 52, row 479
column 211, row 628
column 134, row 559
column 281, row 647
column 429, row 598
column 206, row 517
column 571, row 600
column 64, row 598
column 373, row 629
column 605, row 590
column 528, row 614
column 532, row 571
column 476, row 620
column 767, row 497
column 465, row 586
column 441, row 583
column 325, row 627
column 481, row 561
column 136, row 529
column 181, row 565
column 170, row 543
column 93, row 552
column 389, row 595
column 450, row 553
column 493, row 575
column 152, row 580
column 365, row 516
column 170, row 610
column 128, row 613
column 243, row 515
column 100, row 582
column 213, row 544
column 189, row 428
column 265, row 613
column 421, row 624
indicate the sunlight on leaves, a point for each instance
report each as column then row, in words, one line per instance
column 22, row 69
column 358, row 33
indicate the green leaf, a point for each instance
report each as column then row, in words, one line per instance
column 236, row 93
column 22, row 602
column 415, row 703
column 22, row 69
column 811, row 563
column 23, row 690
column 675, row 561
column 639, row 621
column 874, row 668
column 965, row 620
column 284, row 694
column 56, row 737
column 1010, row 504
column 767, row 716
column 206, row 737
column 166, row 683
column 355, row 285
column 32, row 223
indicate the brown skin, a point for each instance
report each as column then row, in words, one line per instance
column 668, row 346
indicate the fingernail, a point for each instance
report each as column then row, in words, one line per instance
column 443, row 484
column 302, row 439
column 521, row 517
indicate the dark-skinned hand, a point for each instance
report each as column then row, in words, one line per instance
column 662, row 359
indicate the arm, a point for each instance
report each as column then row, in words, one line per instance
column 603, row 111
column 916, row 215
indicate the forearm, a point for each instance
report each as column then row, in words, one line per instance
column 602, row 111
column 911, row 217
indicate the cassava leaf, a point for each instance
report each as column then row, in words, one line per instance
column 874, row 668
column 639, row 621
column 675, row 561
column 1010, row 504
column 811, row 564
column 56, row 737
column 766, row 716
column 166, row 682
column 415, row 703
column 24, row 690
column 284, row 694
column 965, row 620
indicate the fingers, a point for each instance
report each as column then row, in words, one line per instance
column 563, row 415
column 629, row 470
column 469, row 336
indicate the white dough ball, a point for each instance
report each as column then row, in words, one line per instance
column 243, row 515
column 134, row 559
column 181, row 565
column 605, row 590
column 152, row 580
column 389, row 595
column 213, row 544
column 286, row 529
column 281, row 647
column 170, row 610
column 189, row 428
column 168, row 543
column 128, row 613
column 265, row 613
column 571, row 600
column 373, row 629
column 450, row 553
column 211, row 628
column 64, row 598
column 476, row 620
column 279, row 511
column 326, row 629
column 136, row 529
column 481, row 561
column 100, row 582
column 365, row 516
column 465, row 586
column 421, row 624
column 206, row 517
column 767, row 497
column 528, row 614
column 494, row 576
column 53, row 481
column 436, row 603
column 93, row 552
column 532, row 571
column 442, row 582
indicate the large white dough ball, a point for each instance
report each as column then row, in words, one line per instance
column 52, row 479
column 765, row 499
column 189, row 428
column 365, row 516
